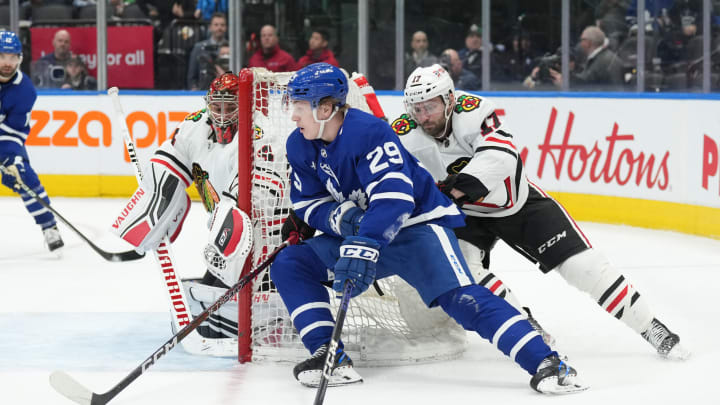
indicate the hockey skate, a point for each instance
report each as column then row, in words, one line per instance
column 665, row 342
column 546, row 337
column 554, row 376
column 309, row 371
column 53, row 241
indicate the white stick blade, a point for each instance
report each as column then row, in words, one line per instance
column 67, row 386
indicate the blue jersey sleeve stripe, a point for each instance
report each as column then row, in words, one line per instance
column 392, row 196
column 391, row 175
column 435, row 213
column 12, row 131
column 302, row 204
column 12, row 138
column 310, row 209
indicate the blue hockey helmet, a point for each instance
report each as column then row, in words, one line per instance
column 10, row 43
column 316, row 82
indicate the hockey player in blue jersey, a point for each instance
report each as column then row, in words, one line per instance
column 17, row 96
column 381, row 214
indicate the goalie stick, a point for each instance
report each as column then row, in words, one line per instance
column 73, row 390
column 334, row 340
column 110, row 256
column 179, row 308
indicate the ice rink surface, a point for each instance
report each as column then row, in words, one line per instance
column 98, row 320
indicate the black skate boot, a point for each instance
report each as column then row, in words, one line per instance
column 309, row 371
column 546, row 337
column 53, row 241
column 554, row 376
column 665, row 342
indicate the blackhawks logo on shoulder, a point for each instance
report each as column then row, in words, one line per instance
column 208, row 195
column 467, row 103
column 403, row 125
column 195, row 116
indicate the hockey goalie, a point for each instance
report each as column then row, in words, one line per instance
column 202, row 150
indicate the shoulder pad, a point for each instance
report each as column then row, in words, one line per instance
column 196, row 116
column 403, row 124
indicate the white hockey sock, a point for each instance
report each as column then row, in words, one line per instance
column 591, row 272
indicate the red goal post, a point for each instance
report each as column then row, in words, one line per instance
column 386, row 327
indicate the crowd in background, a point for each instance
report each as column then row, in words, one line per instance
column 524, row 42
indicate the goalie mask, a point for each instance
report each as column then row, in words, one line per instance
column 222, row 107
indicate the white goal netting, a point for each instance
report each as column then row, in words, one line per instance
column 393, row 328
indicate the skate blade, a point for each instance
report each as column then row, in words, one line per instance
column 340, row 376
column 550, row 386
column 677, row 353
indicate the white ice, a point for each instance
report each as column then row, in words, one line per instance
column 98, row 320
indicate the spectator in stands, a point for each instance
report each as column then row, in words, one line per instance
column 471, row 55
column 317, row 50
column 270, row 56
column 48, row 72
column 610, row 18
column 77, row 77
column 419, row 55
column 602, row 69
column 463, row 78
column 205, row 9
column 518, row 61
column 204, row 53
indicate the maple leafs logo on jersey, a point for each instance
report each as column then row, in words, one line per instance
column 195, row 116
column 403, row 125
column 207, row 192
column 467, row 103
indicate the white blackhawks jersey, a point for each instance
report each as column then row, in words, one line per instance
column 479, row 146
column 193, row 155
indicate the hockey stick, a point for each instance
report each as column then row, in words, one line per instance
column 70, row 388
column 334, row 341
column 113, row 257
column 177, row 300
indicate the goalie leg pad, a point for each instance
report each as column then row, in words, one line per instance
column 157, row 208
column 590, row 271
column 229, row 242
column 222, row 323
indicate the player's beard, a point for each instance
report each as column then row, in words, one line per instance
column 434, row 129
column 6, row 72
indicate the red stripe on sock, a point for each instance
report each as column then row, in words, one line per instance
column 617, row 299
column 495, row 286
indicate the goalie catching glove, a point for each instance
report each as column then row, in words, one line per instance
column 229, row 242
column 358, row 257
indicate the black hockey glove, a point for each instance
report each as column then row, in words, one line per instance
column 447, row 185
column 294, row 225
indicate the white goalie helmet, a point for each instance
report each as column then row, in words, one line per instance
column 426, row 83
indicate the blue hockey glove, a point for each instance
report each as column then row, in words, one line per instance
column 357, row 260
column 345, row 219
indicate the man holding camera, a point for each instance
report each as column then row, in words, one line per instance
column 48, row 72
column 205, row 52
column 602, row 69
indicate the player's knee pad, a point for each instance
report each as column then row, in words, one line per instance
column 590, row 271
column 222, row 323
column 157, row 208
column 229, row 242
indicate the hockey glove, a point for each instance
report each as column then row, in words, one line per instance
column 357, row 260
column 295, row 227
column 446, row 187
column 345, row 219
column 16, row 167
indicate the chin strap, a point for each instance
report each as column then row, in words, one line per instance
column 322, row 122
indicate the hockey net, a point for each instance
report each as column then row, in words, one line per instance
column 389, row 329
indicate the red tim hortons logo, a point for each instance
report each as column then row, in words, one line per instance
column 613, row 165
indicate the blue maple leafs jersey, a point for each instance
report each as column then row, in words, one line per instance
column 17, row 98
column 367, row 164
